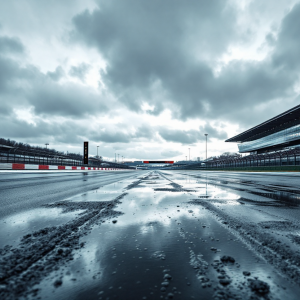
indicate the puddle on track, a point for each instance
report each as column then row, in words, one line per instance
column 14, row 227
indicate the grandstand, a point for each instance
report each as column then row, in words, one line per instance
column 273, row 143
column 278, row 133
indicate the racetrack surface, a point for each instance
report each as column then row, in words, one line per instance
column 150, row 235
column 20, row 191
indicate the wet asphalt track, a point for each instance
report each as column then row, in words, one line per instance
column 20, row 191
column 150, row 235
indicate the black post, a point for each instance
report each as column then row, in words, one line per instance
column 85, row 153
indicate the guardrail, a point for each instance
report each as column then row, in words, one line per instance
column 280, row 159
column 13, row 158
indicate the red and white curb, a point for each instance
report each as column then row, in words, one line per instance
column 13, row 166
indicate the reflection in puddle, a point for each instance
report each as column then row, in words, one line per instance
column 282, row 198
column 13, row 228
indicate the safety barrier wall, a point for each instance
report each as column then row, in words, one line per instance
column 15, row 166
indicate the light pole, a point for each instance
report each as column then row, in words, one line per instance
column 189, row 154
column 118, row 158
column 206, row 143
column 46, row 145
column 97, row 151
column 115, row 157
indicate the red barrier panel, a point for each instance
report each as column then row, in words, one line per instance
column 61, row 167
column 43, row 167
column 82, row 168
column 18, row 166
column 74, row 168
column 89, row 168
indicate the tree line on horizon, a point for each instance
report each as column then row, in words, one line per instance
column 26, row 147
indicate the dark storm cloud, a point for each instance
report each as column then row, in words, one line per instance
column 144, row 131
column 180, row 136
column 8, row 70
column 10, row 45
column 239, row 85
column 151, row 41
column 57, row 74
column 14, row 128
column 174, row 44
column 121, row 134
column 80, row 71
column 65, row 100
column 191, row 136
column 288, row 43
column 13, row 78
column 26, row 86
column 213, row 132
column 270, row 39
column 68, row 132
column 112, row 137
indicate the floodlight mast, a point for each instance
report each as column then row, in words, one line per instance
column 206, row 134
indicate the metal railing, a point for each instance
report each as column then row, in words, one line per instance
column 279, row 158
column 282, row 158
column 24, row 157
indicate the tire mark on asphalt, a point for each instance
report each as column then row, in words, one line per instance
column 43, row 251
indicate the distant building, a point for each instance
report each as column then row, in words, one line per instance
column 142, row 165
column 282, row 131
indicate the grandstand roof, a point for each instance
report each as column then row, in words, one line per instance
column 285, row 120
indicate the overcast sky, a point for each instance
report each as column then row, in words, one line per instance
column 145, row 79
